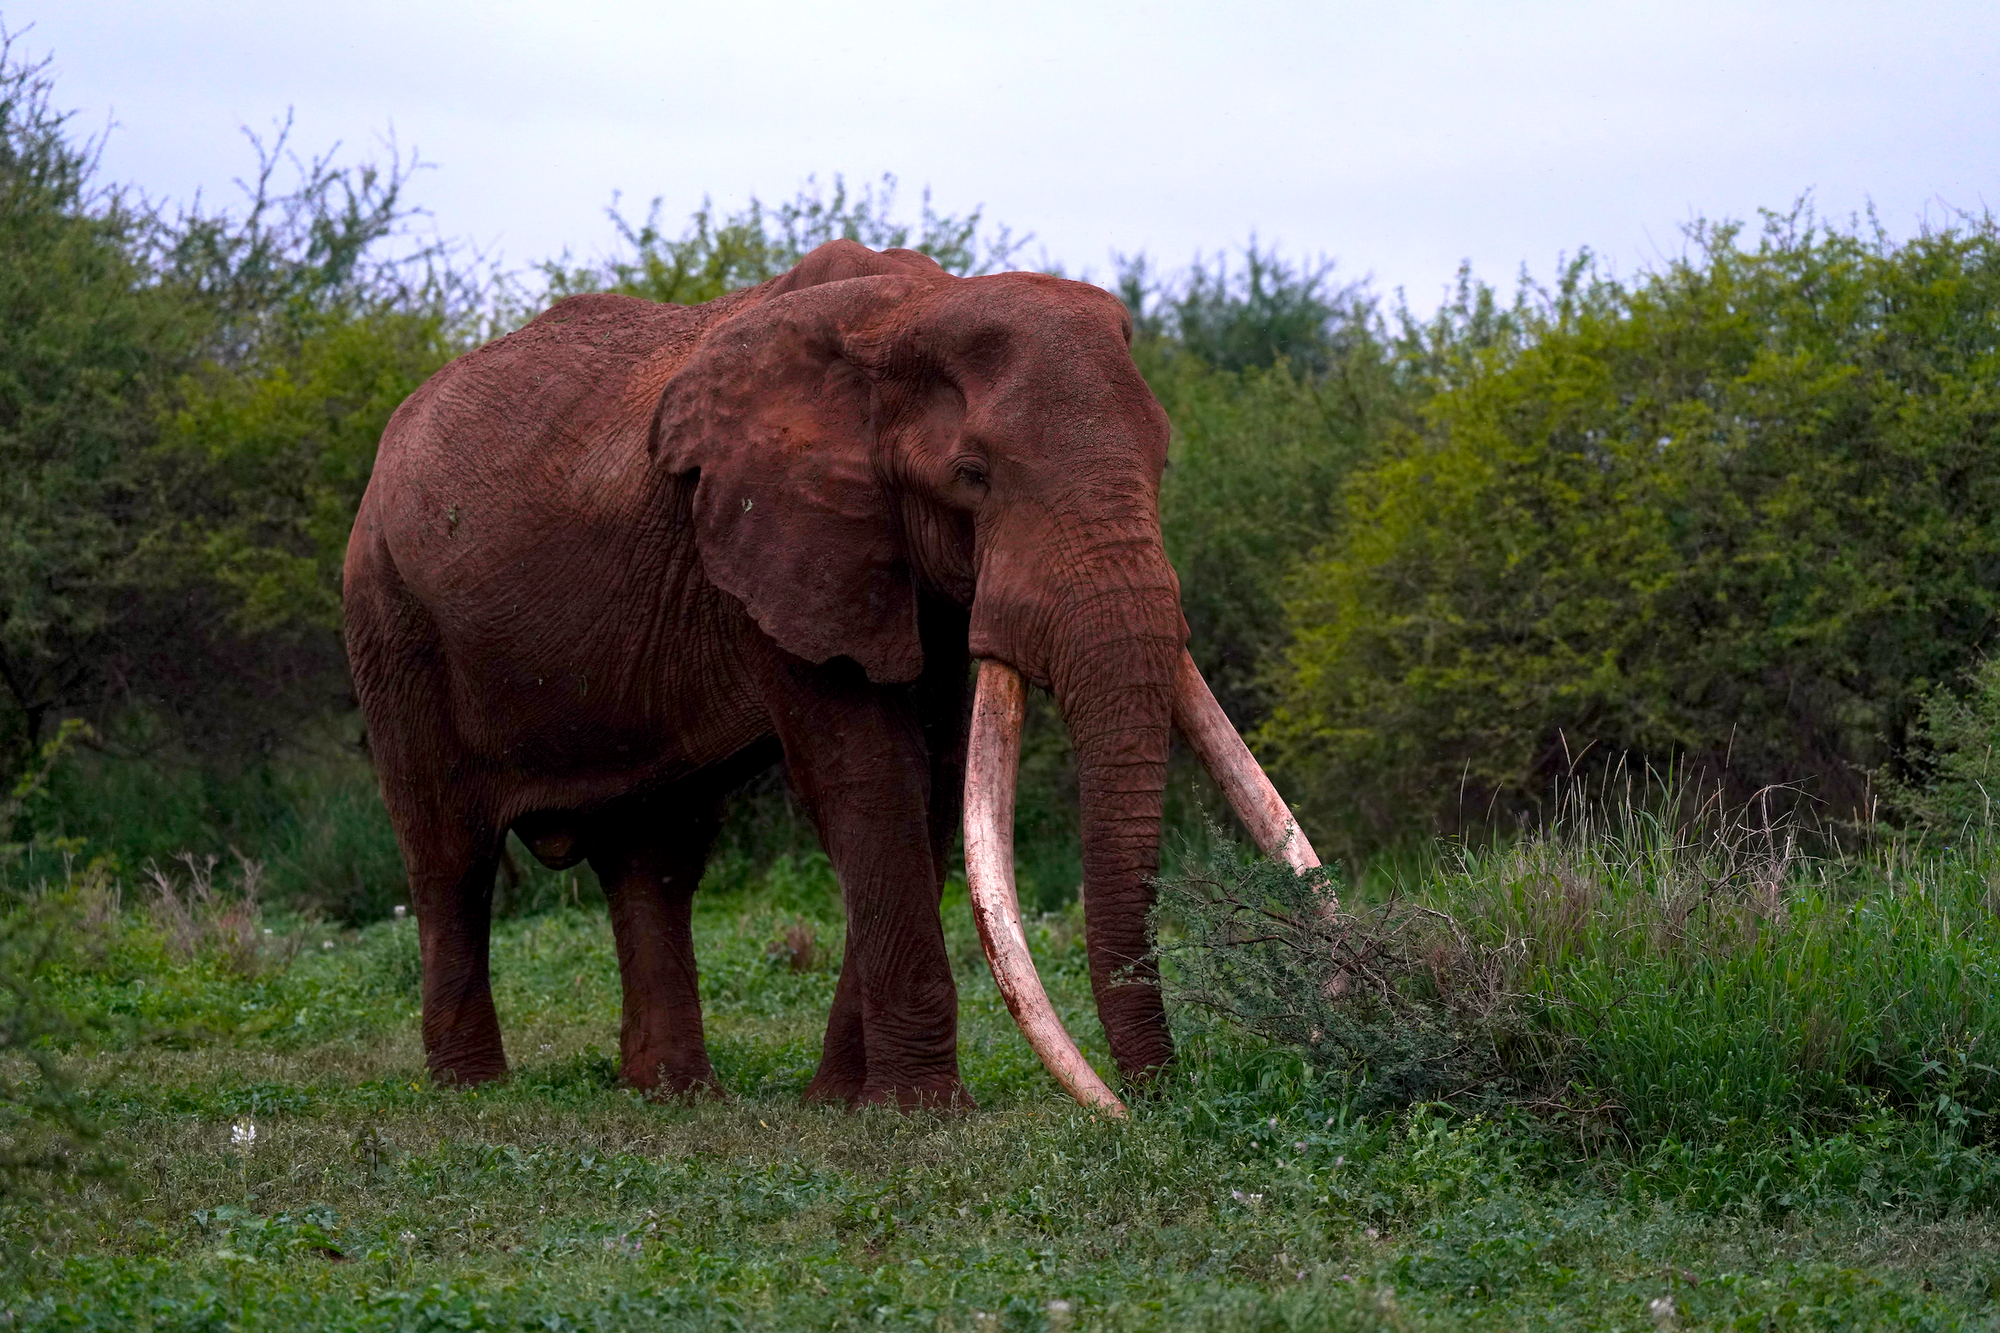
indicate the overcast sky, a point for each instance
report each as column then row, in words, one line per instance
column 1396, row 139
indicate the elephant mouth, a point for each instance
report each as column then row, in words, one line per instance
column 992, row 763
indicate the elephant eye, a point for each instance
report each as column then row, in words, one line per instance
column 972, row 474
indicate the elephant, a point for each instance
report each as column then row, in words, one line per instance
column 613, row 564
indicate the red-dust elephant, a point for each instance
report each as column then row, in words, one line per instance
column 610, row 565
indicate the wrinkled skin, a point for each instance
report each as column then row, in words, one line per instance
column 609, row 566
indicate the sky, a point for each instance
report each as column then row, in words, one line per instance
column 1396, row 140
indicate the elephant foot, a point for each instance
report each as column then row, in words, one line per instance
column 467, row 1071
column 834, row 1087
column 947, row 1095
column 671, row 1079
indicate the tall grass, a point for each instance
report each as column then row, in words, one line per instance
column 1656, row 977
column 312, row 817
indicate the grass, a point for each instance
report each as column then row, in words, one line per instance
column 1252, row 1191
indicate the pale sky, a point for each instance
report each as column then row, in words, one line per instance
column 1396, row 139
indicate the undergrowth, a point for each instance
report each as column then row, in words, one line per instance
column 1682, row 989
column 282, row 1161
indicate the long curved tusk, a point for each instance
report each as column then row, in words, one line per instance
column 992, row 760
column 1229, row 761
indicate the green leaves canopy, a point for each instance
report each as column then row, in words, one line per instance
column 1735, row 516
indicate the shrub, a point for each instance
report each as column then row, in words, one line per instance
column 48, row 1138
column 1393, row 997
column 1676, row 977
column 1950, row 773
column 1735, row 516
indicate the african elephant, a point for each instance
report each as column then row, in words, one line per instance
column 611, row 564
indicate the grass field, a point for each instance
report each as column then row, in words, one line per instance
column 1249, row 1192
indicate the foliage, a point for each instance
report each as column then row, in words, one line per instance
column 1952, row 774
column 85, row 340
column 1735, row 516
column 720, row 253
column 267, row 464
column 48, row 1138
column 1253, row 483
column 1268, row 312
column 1393, row 997
column 189, row 408
column 323, row 312
column 31, row 787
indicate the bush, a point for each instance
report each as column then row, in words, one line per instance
column 1393, row 998
column 48, row 1138
column 1673, row 978
column 1950, row 773
column 1736, row 516
column 1276, row 388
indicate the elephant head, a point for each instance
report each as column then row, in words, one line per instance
column 871, row 431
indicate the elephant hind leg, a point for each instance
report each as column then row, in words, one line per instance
column 450, row 849
column 649, row 871
column 453, row 892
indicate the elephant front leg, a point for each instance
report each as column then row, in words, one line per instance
column 843, row 1060
column 857, row 755
column 649, row 880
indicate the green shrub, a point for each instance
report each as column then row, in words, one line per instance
column 1693, row 981
column 48, row 1138
column 1736, row 516
column 1950, row 773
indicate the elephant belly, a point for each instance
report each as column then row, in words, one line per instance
column 566, row 735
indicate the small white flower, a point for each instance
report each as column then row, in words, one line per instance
column 408, row 1237
column 267, row 930
column 243, row 1134
column 1300, row 1146
column 326, row 944
column 1059, row 1315
column 1662, row 1310
column 1372, row 1233
column 401, row 911
column 1341, row 1160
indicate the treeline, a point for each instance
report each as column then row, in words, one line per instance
column 1739, row 516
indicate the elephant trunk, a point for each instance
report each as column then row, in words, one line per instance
column 1116, row 694
column 1122, row 679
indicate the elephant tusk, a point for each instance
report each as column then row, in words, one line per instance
column 992, row 762
column 1229, row 761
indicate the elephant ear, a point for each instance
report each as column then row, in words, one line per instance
column 772, row 415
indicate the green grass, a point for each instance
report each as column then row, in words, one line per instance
column 1248, row 1193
